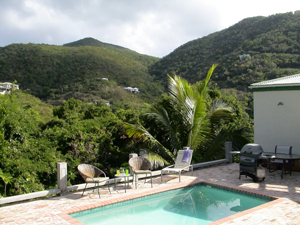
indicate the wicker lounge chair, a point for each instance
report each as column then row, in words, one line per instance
column 180, row 165
column 140, row 165
column 91, row 174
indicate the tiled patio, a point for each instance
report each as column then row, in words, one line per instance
column 284, row 211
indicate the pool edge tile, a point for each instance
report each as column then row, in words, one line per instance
column 246, row 212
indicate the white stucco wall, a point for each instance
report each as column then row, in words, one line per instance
column 277, row 124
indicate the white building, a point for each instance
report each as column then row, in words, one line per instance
column 6, row 86
column 132, row 90
column 277, row 113
column 136, row 90
column 242, row 57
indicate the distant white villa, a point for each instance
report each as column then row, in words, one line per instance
column 132, row 90
column 242, row 57
column 6, row 87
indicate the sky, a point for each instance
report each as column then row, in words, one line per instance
column 151, row 27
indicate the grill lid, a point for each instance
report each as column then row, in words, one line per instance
column 254, row 149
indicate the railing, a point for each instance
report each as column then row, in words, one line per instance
column 63, row 188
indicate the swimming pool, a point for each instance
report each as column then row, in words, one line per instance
column 195, row 204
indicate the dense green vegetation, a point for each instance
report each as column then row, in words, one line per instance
column 144, row 59
column 57, row 73
column 273, row 44
column 35, row 136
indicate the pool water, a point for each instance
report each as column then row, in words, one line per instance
column 196, row 204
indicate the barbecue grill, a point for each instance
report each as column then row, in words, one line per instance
column 250, row 160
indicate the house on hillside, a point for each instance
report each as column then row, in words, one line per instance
column 132, row 90
column 242, row 57
column 6, row 87
column 276, row 113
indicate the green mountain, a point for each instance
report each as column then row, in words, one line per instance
column 56, row 73
column 144, row 59
column 255, row 49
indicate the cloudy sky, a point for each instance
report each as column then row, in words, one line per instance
column 152, row 27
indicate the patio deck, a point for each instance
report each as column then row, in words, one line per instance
column 284, row 211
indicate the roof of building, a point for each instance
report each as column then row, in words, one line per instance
column 288, row 81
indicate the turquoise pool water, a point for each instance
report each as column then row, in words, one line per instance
column 197, row 204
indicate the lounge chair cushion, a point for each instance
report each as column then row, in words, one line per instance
column 186, row 155
column 179, row 165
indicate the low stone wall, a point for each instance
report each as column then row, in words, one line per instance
column 63, row 188
column 78, row 187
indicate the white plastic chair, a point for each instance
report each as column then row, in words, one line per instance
column 179, row 166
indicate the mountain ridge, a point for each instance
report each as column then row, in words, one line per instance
column 250, row 51
column 270, row 42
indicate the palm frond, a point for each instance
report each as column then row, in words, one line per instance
column 162, row 115
column 190, row 101
column 215, row 145
column 182, row 94
column 220, row 111
column 139, row 132
column 155, row 159
column 202, row 87
column 199, row 123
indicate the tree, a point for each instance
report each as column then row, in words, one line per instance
column 6, row 177
column 187, row 120
column 26, row 160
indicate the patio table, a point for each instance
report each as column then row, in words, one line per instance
column 125, row 177
column 284, row 157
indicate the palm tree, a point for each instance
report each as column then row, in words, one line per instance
column 187, row 120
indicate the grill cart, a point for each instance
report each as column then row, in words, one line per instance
column 250, row 160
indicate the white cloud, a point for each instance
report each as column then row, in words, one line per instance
column 153, row 27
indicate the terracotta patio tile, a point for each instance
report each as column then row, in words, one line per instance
column 286, row 210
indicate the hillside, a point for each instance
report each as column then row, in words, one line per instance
column 269, row 48
column 56, row 73
column 144, row 59
column 254, row 49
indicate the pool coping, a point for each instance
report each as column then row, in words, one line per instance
column 65, row 214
